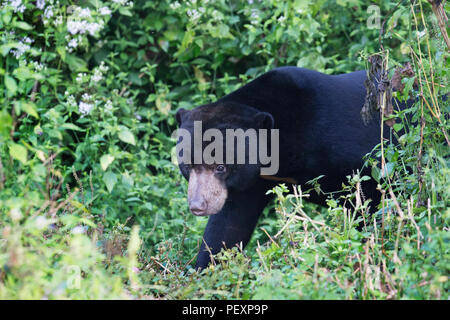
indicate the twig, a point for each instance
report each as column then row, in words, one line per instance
column 258, row 250
column 419, row 157
column 187, row 263
column 53, row 212
column 211, row 256
column 92, row 189
column 2, row 176
column 33, row 92
column 162, row 266
column 269, row 236
column 438, row 10
column 80, row 184
column 410, row 215
column 399, row 209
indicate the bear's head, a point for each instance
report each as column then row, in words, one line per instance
column 219, row 151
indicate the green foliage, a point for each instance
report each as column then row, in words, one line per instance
column 89, row 93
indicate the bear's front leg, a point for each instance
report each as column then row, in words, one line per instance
column 233, row 224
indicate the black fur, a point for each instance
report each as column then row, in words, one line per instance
column 321, row 133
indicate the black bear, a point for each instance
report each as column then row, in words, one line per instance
column 320, row 132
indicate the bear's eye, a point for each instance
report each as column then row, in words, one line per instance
column 220, row 168
column 185, row 167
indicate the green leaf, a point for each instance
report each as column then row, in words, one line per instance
column 5, row 48
column 105, row 161
column 75, row 63
column 163, row 105
column 5, row 124
column 187, row 40
column 62, row 52
column 30, row 108
column 388, row 169
column 398, row 127
column 134, row 78
column 23, row 73
column 18, row 152
column 54, row 133
column 376, row 173
column 126, row 135
column 71, row 126
column 22, row 25
column 110, row 180
column 124, row 11
column 11, row 85
column 7, row 15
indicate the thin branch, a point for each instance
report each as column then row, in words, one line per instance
column 439, row 12
column 2, row 176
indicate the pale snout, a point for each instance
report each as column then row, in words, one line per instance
column 206, row 193
column 198, row 207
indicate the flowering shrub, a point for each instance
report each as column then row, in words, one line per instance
column 90, row 89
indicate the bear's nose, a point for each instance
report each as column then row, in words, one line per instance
column 198, row 207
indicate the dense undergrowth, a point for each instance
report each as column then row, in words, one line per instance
column 92, row 206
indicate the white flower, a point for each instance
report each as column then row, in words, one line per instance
column 58, row 20
column 175, row 5
column 28, row 40
column 82, row 27
column 17, row 5
column 421, row 33
column 48, row 13
column 93, row 28
column 86, row 97
column 71, row 101
column 15, row 214
column 22, row 47
column 85, row 108
column 78, row 230
column 85, row 13
column 281, row 19
column 194, row 14
column 103, row 68
column 80, row 77
column 73, row 43
column 41, row 222
column 255, row 16
column 97, row 75
column 38, row 66
column 105, row 11
column 73, row 26
column 108, row 105
column 217, row 15
column 40, row 4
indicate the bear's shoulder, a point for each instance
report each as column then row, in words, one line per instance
column 293, row 80
column 305, row 78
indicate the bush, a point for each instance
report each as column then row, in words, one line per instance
column 89, row 96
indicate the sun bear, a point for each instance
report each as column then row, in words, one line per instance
column 308, row 124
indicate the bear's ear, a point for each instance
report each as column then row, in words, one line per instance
column 180, row 115
column 264, row 120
